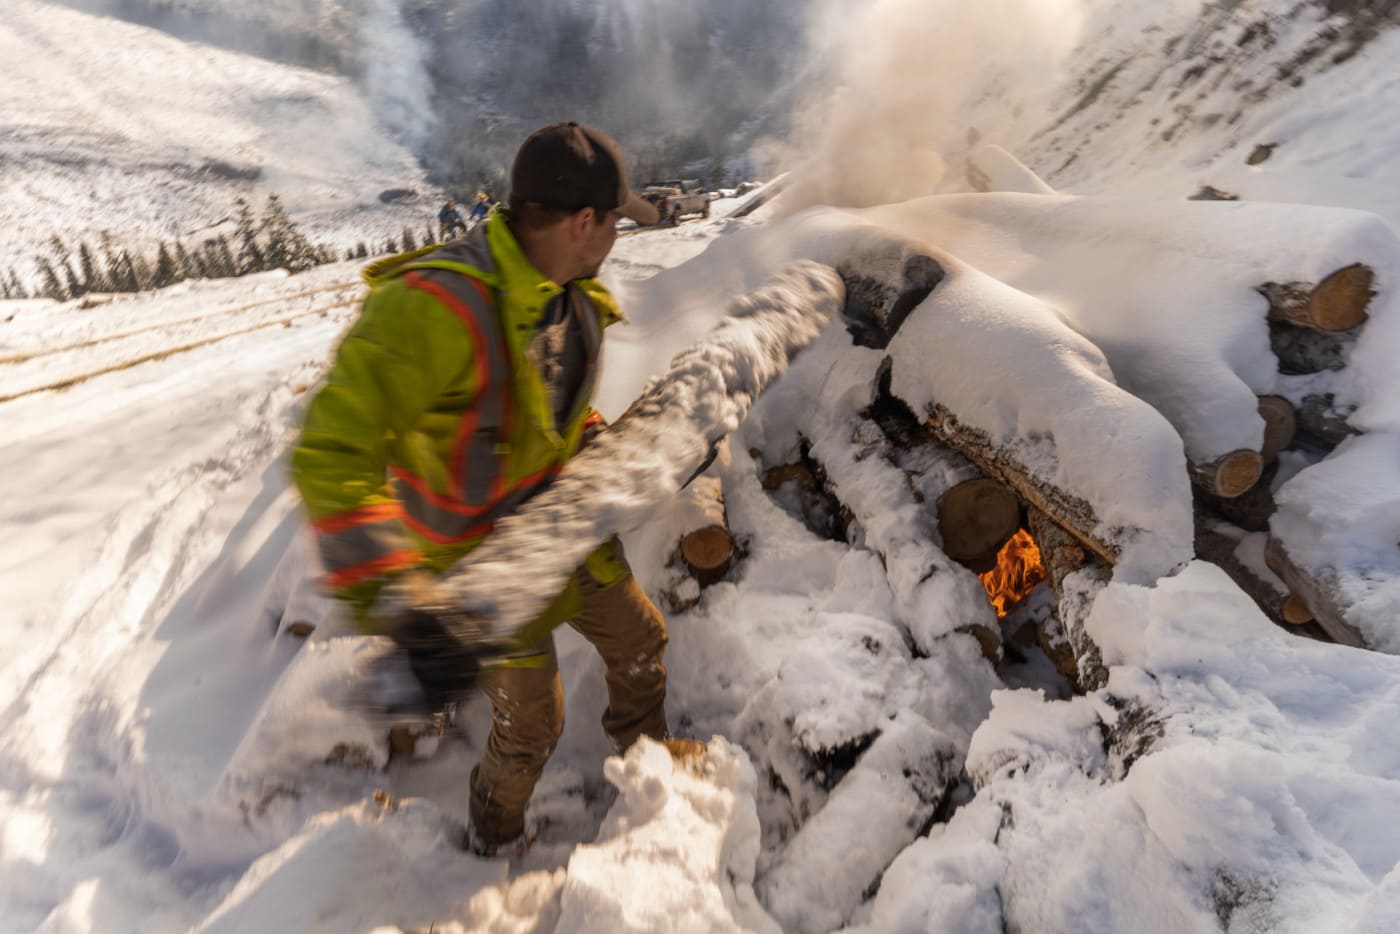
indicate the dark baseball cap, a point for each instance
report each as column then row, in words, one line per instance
column 570, row 166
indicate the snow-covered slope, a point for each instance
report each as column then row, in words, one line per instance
column 108, row 126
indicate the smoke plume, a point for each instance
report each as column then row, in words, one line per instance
column 904, row 81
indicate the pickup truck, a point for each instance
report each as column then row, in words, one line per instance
column 674, row 197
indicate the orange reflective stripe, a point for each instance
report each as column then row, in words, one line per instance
column 377, row 512
column 477, row 467
column 384, row 564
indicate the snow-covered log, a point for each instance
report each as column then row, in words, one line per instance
column 1320, row 593
column 976, row 514
column 933, row 594
column 1077, row 577
column 1335, row 541
column 1337, row 303
column 881, row 806
column 1168, row 291
column 1219, row 544
column 991, row 168
column 647, row 455
column 1057, row 429
column 1072, row 513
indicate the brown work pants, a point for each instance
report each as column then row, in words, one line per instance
column 528, row 703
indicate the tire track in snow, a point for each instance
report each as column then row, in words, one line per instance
column 24, row 356
column 172, row 351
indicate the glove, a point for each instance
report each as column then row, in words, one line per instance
column 446, row 648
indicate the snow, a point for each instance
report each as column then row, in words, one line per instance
column 112, row 126
column 174, row 758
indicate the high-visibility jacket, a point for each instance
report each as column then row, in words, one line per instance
column 433, row 424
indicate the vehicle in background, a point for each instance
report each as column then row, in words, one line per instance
column 675, row 197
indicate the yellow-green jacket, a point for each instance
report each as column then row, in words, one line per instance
column 433, row 424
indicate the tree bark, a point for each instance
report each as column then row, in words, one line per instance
column 1319, row 595
column 1070, row 512
column 1302, row 350
column 1321, row 417
column 1077, row 576
column 1337, row 303
column 1231, row 475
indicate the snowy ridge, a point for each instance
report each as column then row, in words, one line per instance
column 176, row 133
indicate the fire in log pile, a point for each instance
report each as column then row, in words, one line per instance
column 1018, row 570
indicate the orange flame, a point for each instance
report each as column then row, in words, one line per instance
column 1017, row 572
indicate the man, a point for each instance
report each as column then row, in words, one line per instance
column 479, row 209
column 450, row 220
column 461, row 392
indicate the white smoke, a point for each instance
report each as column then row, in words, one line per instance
column 905, row 81
column 396, row 79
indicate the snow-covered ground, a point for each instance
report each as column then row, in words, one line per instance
column 108, row 126
column 174, row 757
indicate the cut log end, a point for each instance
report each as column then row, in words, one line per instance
column 1339, row 302
column 1295, row 611
column 709, row 549
column 976, row 518
column 1280, row 425
column 1232, row 475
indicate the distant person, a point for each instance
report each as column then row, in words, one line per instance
column 480, row 209
column 451, row 221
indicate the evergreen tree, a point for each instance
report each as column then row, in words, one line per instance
column 142, row 270
column 165, row 272
column 75, row 288
column 251, row 257
column 361, row 251
column 93, row 280
column 409, row 245
column 391, row 246
column 287, row 247
column 63, row 266
column 428, row 237
column 51, row 285
column 13, row 287
column 188, row 268
column 227, row 264
column 350, row 253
